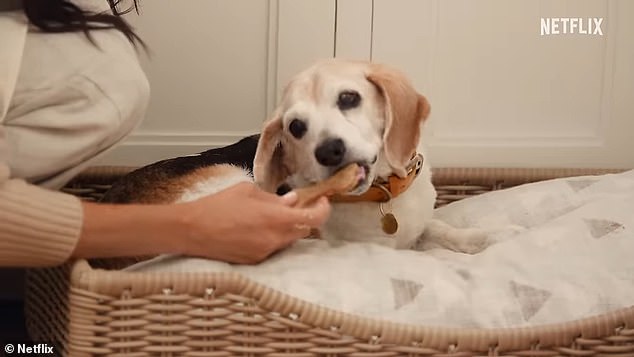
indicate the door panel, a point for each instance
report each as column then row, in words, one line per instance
column 217, row 68
column 502, row 94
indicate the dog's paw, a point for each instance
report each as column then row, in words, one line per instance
column 471, row 241
column 475, row 240
column 461, row 240
column 479, row 239
column 501, row 234
column 465, row 240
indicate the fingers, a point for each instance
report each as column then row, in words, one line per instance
column 295, row 233
column 318, row 213
column 311, row 216
column 300, row 231
column 297, row 223
column 294, row 223
column 260, row 194
column 289, row 198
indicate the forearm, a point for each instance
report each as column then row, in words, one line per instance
column 38, row 227
column 130, row 230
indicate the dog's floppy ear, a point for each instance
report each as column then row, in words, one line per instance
column 405, row 110
column 268, row 166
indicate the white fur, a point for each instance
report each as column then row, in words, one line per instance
column 215, row 184
column 361, row 221
column 417, row 229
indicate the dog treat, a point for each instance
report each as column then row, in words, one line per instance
column 342, row 182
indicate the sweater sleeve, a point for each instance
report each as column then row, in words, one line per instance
column 38, row 227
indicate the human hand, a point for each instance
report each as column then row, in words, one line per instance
column 243, row 224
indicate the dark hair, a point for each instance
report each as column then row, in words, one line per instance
column 64, row 16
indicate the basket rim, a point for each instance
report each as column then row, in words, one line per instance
column 518, row 174
column 106, row 284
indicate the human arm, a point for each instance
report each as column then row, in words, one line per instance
column 38, row 227
column 241, row 224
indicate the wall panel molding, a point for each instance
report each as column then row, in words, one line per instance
column 146, row 147
column 272, row 55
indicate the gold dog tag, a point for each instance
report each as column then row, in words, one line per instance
column 389, row 223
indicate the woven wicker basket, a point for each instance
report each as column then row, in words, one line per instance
column 90, row 312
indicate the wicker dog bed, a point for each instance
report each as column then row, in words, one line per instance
column 87, row 311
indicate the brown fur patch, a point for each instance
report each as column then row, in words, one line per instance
column 268, row 168
column 405, row 110
column 169, row 191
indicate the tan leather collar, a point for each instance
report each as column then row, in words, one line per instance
column 385, row 190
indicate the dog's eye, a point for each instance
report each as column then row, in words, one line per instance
column 348, row 100
column 297, row 128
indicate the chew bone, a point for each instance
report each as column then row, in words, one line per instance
column 342, row 182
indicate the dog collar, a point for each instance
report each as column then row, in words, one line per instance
column 388, row 189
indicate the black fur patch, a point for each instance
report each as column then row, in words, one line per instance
column 283, row 189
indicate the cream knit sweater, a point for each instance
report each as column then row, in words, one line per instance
column 63, row 102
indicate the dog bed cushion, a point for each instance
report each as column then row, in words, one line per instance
column 573, row 258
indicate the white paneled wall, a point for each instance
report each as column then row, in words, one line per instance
column 353, row 38
column 501, row 94
column 216, row 67
column 305, row 34
column 504, row 95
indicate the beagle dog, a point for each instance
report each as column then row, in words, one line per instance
column 332, row 114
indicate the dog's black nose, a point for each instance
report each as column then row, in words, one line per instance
column 330, row 152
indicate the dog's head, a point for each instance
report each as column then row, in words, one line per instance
column 339, row 112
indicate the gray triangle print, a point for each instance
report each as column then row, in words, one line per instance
column 578, row 185
column 601, row 227
column 531, row 299
column 405, row 291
